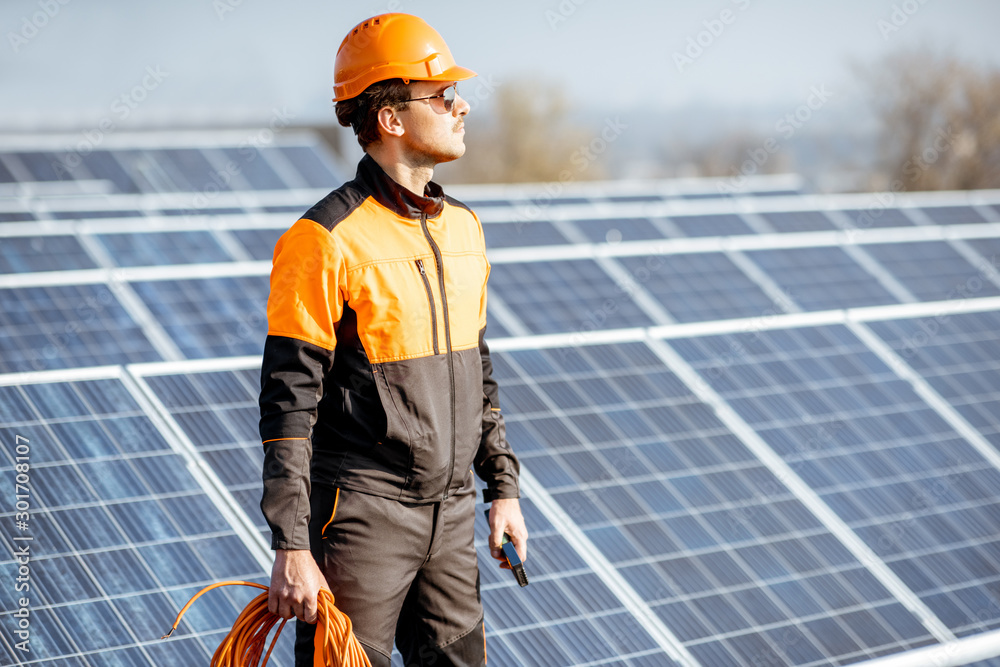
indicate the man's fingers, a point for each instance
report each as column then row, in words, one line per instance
column 272, row 600
column 309, row 608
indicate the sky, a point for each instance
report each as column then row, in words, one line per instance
column 71, row 63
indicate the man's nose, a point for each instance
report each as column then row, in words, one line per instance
column 460, row 107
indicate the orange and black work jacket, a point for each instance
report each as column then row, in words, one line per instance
column 376, row 376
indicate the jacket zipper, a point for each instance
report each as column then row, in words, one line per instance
column 430, row 300
column 439, row 262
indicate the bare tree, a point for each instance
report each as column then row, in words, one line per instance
column 939, row 122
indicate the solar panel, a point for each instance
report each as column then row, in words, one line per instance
column 798, row 221
column 572, row 295
column 232, row 163
column 726, row 224
column 699, row 287
column 212, row 317
column 43, row 253
column 933, row 271
column 738, row 483
column 67, row 326
column 120, row 533
column 259, row 242
column 615, row 230
column 726, row 556
column 953, row 215
column 884, row 460
column 822, row 278
column 878, row 217
column 959, row 355
column 567, row 609
column 530, row 233
column 160, row 248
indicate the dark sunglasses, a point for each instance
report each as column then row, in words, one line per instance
column 448, row 95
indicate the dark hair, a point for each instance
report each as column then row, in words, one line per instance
column 361, row 112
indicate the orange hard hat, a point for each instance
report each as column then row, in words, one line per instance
column 392, row 46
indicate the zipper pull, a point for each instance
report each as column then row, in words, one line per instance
column 420, row 266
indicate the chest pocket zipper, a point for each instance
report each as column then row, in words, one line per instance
column 430, row 301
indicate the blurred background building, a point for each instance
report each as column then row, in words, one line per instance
column 745, row 309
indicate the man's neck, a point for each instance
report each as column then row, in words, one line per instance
column 413, row 178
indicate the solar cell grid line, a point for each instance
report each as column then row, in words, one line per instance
column 118, row 524
column 644, row 505
column 894, row 469
column 228, row 396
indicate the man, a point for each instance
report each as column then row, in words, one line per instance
column 377, row 397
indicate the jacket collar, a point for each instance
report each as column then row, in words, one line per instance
column 394, row 196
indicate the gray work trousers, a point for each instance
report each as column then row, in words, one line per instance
column 399, row 570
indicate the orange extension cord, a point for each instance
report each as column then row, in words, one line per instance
column 335, row 642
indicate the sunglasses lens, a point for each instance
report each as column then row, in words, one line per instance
column 449, row 97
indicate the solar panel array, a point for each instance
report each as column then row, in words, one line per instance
column 756, row 428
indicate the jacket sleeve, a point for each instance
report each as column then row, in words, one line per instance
column 495, row 463
column 303, row 310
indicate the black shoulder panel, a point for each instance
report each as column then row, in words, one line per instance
column 337, row 205
column 454, row 202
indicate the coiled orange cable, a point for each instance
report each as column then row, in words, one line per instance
column 335, row 642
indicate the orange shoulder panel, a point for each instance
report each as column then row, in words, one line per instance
column 307, row 286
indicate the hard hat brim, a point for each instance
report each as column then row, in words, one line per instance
column 351, row 89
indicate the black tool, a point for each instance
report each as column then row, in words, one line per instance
column 510, row 553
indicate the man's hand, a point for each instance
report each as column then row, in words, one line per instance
column 295, row 582
column 505, row 517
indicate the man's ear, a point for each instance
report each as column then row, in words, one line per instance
column 389, row 122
